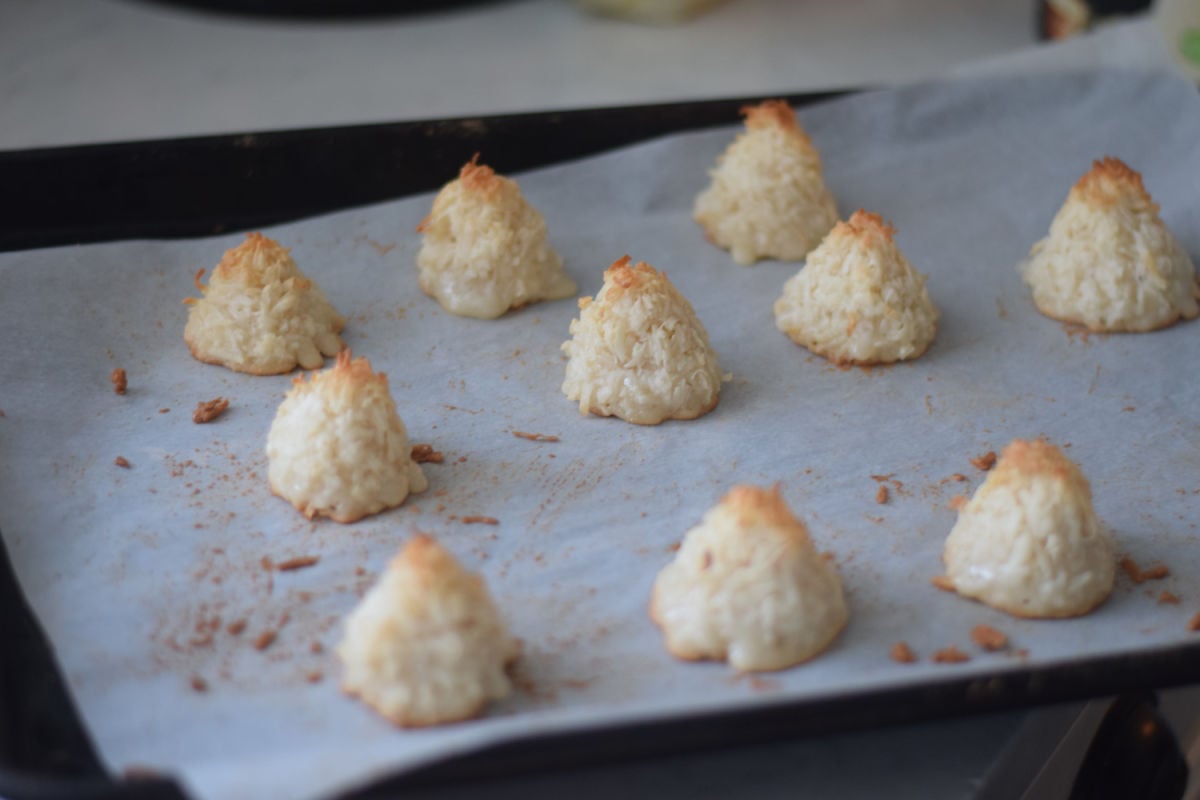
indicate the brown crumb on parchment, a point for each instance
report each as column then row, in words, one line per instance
column 199, row 684
column 985, row 461
column 989, row 638
column 535, row 437
column 164, row 411
column 314, row 677
column 957, row 502
column 122, row 462
column 480, row 520
column 1168, row 598
column 265, row 639
column 950, row 655
column 236, row 627
column 135, row 773
column 901, row 653
column 958, row 477
column 208, row 410
column 299, row 562
column 2, row 414
column 316, row 648
column 119, row 380
column 1194, row 624
column 881, row 495
column 942, row 582
column 1139, row 575
column 425, row 454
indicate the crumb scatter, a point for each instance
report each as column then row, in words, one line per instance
column 425, row 454
column 989, row 638
column 984, row 462
column 950, row 655
column 942, row 582
column 208, row 410
column 901, row 653
column 535, row 437
column 1139, row 575
column 299, row 562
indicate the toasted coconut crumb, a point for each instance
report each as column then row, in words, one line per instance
column 315, row 677
column 958, row 477
column 208, row 410
column 199, row 684
column 902, row 653
column 881, row 496
column 119, row 381
column 122, row 462
column 265, row 639
column 1168, row 598
column 942, row 582
column 1139, row 575
column 425, row 454
column 480, row 520
column 950, row 655
column 957, row 503
column 535, row 437
column 236, row 627
column 300, row 562
column 989, row 638
column 985, row 461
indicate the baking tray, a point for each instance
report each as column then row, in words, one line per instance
column 180, row 188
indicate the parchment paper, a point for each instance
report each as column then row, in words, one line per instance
column 129, row 569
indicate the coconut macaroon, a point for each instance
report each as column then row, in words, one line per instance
column 1028, row 542
column 337, row 447
column 426, row 645
column 486, row 250
column 260, row 314
column 1109, row 262
column 748, row 586
column 858, row 300
column 767, row 198
column 638, row 351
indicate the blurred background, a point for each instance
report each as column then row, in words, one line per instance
column 109, row 70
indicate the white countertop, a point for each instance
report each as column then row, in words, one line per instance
column 108, row 70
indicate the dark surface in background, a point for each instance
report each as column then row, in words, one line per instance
column 322, row 9
column 194, row 187
column 204, row 186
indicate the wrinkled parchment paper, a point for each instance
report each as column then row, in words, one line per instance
column 137, row 573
